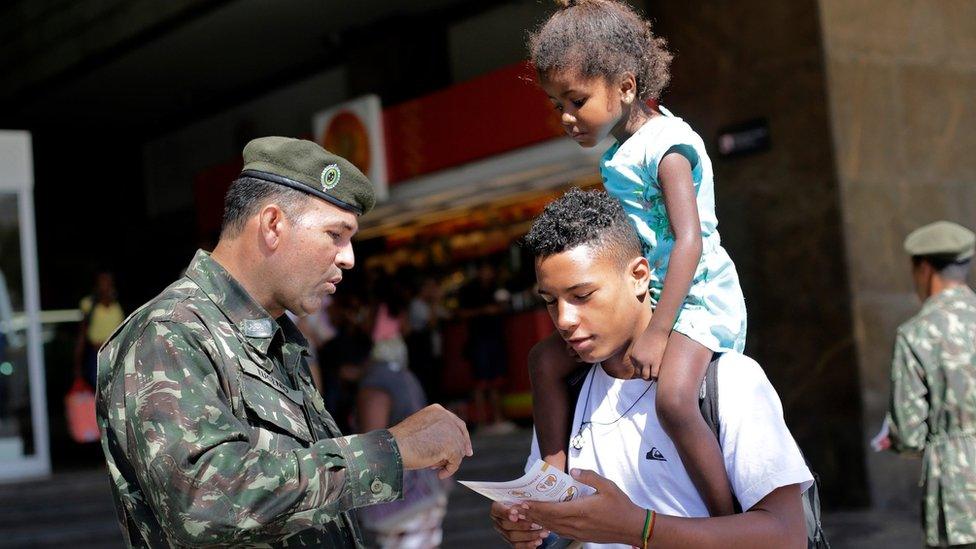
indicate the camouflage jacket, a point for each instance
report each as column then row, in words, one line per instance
column 933, row 410
column 215, row 435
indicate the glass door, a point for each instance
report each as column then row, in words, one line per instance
column 23, row 419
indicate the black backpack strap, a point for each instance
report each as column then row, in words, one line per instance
column 816, row 538
column 708, row 397
column 708, row 402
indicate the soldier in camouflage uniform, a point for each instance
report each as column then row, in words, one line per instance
column 212, row 429
column 933, row 383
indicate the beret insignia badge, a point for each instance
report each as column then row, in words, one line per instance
column 330, row 177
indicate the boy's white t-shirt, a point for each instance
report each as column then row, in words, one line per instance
column 635, row 453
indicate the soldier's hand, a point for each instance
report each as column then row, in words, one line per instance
column 433, row 437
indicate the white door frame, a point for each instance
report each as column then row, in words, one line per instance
column 17, row 175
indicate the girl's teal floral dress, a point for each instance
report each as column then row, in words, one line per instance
column 714, row 313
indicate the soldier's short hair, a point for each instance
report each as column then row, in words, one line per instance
column 582, row 217
column 247, row 195
column 946, row 266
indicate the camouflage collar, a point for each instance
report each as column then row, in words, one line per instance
column 946, row 297
column 237, row 305
column 292, row 333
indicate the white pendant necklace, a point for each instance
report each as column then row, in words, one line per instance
column 578, row 441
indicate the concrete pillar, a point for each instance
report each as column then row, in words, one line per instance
column 902, row 78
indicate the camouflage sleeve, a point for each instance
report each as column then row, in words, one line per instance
column 909, row 408
column 210, row 483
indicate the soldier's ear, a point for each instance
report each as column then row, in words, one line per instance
column 271, row 223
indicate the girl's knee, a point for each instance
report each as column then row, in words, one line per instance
column 549, row 357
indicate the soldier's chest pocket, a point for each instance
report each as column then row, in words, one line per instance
column 273, row 407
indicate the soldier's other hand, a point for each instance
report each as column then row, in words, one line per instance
column 433, row 437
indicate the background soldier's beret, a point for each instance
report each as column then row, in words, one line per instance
column 307, row 167
column 942, row 238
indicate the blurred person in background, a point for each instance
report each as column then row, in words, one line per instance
column 482, row 302
column 933, row 383
column 344, row 357
column 389, row 392
column 424, row 340
column 101, row 315
column 389, row 324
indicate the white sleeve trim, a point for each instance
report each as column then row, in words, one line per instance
column 755, row 493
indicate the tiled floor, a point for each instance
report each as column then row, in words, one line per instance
column 74, row 509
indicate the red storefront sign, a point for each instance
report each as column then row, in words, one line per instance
column 498, row 112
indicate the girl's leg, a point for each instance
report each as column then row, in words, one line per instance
column 682, row 370
column 549, row 366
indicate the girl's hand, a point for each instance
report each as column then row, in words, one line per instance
column 648, row 352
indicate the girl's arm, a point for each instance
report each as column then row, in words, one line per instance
column 674, row 173
column 681, row 205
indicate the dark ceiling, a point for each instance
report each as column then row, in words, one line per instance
column 94, row 80
column 150, row 65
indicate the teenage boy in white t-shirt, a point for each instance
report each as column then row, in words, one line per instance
column 594, row 280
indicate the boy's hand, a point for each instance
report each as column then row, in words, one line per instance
column 608, row 516
column 648, row 352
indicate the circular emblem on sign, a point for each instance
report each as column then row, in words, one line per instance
column 346, row 135
column 330, row 176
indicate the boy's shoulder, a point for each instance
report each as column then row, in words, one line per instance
column 740, row 375
column 733, row 359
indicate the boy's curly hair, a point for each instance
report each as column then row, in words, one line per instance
column 602, row 38
column 593, row 218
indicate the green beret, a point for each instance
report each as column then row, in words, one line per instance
column 942, row 238
column 307, row 167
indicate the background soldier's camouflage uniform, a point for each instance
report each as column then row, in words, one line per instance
column 933, row 410
column 215, row 435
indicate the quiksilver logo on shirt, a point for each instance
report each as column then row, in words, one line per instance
column 655, row 455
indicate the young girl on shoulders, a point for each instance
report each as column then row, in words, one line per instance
column 604, row 70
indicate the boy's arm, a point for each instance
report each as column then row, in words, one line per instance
column 610, row 516
column 549, row 366
column 776, row 521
